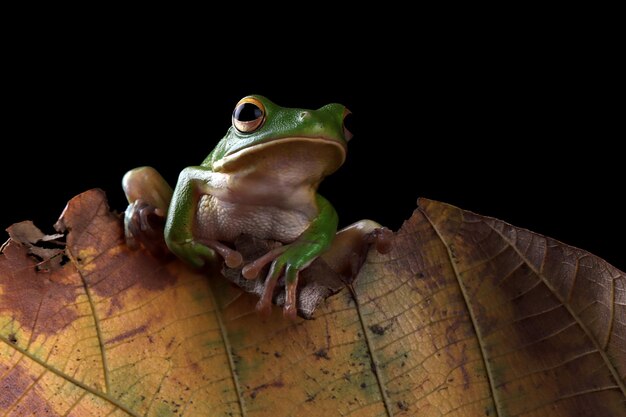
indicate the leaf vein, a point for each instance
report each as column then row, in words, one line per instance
column 470, row 313
column 576, row 317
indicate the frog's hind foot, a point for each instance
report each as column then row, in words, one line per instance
column 349, row 249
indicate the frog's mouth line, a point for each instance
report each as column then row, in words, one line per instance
column 223, row 163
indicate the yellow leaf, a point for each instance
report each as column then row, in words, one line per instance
column 466, row 316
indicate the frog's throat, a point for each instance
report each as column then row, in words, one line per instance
column 223, row 164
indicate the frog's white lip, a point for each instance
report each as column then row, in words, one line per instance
column 219, row 165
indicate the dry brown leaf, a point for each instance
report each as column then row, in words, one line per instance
column 466, row 316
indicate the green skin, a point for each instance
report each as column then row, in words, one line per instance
column 280, row 122
column 261, row 182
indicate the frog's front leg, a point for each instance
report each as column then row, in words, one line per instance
column 293, row 257
column 194, row 182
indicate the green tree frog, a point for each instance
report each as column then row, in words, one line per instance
column 261, row 179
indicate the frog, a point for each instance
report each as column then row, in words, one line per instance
column 261, row 179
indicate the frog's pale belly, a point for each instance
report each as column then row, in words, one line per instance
column 225, row 221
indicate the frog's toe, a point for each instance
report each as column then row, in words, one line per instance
column 232, row 258
column 292, row 272
column 143, row 225
column 264, row 305
column 252, row 270
column 381, row 237
column 290, row 310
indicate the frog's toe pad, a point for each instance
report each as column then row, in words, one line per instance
column 381, row 237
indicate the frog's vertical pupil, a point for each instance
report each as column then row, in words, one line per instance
column 247, row 112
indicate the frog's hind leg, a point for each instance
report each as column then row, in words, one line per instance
column 351, row 244
column 149, row 196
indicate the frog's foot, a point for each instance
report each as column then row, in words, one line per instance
column 232, row 258
column 148, row 195
column 264, row 305
column 349, row 249
column 143, row 225
column 380, row 237
column 289, row 259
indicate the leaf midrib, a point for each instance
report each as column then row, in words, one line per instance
column 370, row 348
column 470, row 313
column 228, row 351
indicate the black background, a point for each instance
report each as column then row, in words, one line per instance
column 526, row 135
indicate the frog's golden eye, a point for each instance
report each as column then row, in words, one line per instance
column 249, row 115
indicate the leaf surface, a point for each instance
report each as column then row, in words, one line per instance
column 466, row 316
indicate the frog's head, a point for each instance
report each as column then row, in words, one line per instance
column 265, row 136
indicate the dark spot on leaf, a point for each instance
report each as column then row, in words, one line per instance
column 310, row 397
column 363, row 385
column 402, row 405
column 453, row 254
column 377, row 329
column 12, row 338
column 128, row 334
column 322, row 354
column 170, row 343
column 487, row 411
column 278, row 354
column 256, row 390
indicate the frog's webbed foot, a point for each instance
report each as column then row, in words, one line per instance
column 349, row 249
column 143, row 225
